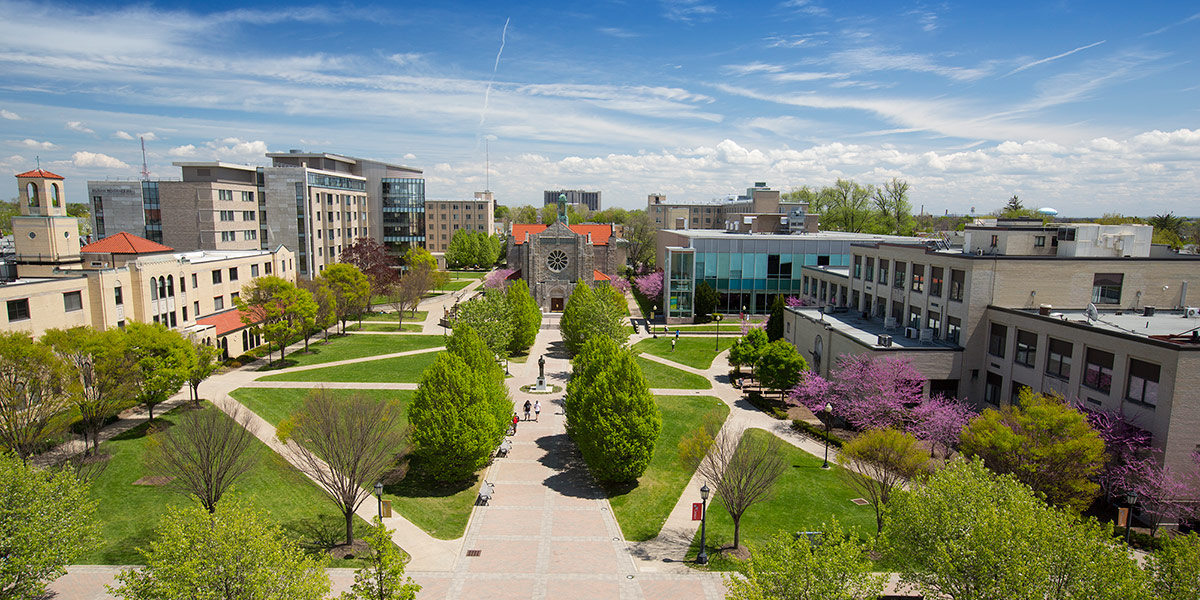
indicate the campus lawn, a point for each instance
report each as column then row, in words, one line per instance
column 642, row 509
column 804, row 498
column 660, row 376
column 391, row 317
column 398, row 369
column 129, row 513
column 468, row 274
column 695, row 352
column 731, row 327
column 454, row 285
column 356, row 346
column 441, row 510
column 380, row 326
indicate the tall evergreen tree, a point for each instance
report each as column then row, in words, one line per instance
column 775, row 321
column 592, row 313
column 526, row 316
column 706, row 302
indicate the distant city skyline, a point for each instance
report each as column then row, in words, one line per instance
column 1087, row 108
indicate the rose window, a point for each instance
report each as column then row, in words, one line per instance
column 557, row 260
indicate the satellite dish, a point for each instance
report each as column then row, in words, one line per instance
column 1049, row 212
column 1092, row 313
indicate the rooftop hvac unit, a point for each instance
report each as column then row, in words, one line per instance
column 1191, row 312
column 884, row 340
column 910, row 332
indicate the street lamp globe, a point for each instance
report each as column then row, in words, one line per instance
column 828, row 407
column 704, row 492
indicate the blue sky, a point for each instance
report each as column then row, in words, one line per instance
column 1087, row 107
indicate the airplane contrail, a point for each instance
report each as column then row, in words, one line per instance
column 488, row 92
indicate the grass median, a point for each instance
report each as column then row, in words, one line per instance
column 695, row 352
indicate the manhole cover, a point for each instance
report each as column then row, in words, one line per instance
column 474, row 552
column 860, row 501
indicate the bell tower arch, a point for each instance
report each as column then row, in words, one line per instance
column 44, row 236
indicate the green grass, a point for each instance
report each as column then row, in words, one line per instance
column 399, row 369
column 455, row 284
column 391, row 317
column 643, row 509
column 128, row 513
column 441, row 510
column 661, row 376
column 468, row 274
column 356, row 346
column 732, row 328
column 380, row 326
column 804, row 498
column 695, row 352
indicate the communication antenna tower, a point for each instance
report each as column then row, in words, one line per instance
column 487, row 166
column 145, row 169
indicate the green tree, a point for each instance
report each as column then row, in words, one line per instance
column 97, row 371
column 847, row 206
column 611, row 414
column 455, row 424
column 8, row 210
column 1174, row 569
column 417, row 257
column 236, row 552
column 969, row 534
column 706, row 302
column 640, row 232
column 880, row 461
column 383, row 576
column 1168, row 223
column 779, row 366
column 33, row 398
column 1044, row 443
column 1014, row 204
column 525, row 314
column 895, row 211
column 834, row 566
column 524, row 215
column 613, row 299
column 775, row 319
column 205, row 365
column 350, row 290
column 373, row 259
column 277, row 310
column 489, row 316
column 47, row 520
column 746, row 349
column 325, row 315
column 589, row 314
column 163, row 360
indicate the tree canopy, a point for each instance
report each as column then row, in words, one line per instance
column 525, row 314
column 590, row 314
column 163, row 361
column 835, row 566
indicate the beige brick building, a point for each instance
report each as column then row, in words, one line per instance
column 444, row 217
column 759, row 210
column 123, row 277
column 1010, row 309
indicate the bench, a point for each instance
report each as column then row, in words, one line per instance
column 485, row 493
column 505, row 446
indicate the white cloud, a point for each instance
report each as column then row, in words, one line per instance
column 687, row 11
column 29, row 143
column 807, row 7
column 410, row 156
column 751, row 68
column 868, row 59
column 406, row 59
column 84, row 159
column 617, row 32
column 184, row 151
column 229, row 149
column 78, row 126
column 14, row 160
column 149, row 136
column 1053, row 58
column 806, row 76
column 121, row 135
column 11, row 116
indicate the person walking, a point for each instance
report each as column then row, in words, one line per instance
column 527, row 407
column 672, row 344
column 515, row 420
column 537, row 409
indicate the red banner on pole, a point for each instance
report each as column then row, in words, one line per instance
column 697, row 511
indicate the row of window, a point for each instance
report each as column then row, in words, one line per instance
column 247, row 234
column 227, row 216
column 865, row 270
column 350, row 232
column 330, row 215
column 227, row 196
column 18, row 310
column 1141, row 384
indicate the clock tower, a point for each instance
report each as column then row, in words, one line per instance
column 44, row 236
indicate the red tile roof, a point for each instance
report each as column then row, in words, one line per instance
column 600, row 233
column 225, row 322
column 40, row 173
column 125, row 243
column 598, row 276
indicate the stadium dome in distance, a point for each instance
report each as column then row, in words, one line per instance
column 1049, row 212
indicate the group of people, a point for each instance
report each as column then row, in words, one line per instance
column 535, row 406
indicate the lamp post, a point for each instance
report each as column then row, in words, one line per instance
column 828, row 419
column 379, row 497
column 1131, row 499
column 717, row 317
column 702, row 558
column 653, row 331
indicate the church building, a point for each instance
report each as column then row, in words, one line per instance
column 552, row 258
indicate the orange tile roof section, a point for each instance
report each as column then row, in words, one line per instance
column 598, row 276
column 600, row 233
column 40, row 173
column 125, row 243
column 225, row 322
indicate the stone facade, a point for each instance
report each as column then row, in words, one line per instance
column 552, row 259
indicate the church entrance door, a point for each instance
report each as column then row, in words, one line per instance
column 556, row 305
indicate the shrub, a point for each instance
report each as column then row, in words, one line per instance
column 818, row 432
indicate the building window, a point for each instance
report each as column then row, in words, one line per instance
column 997, row 340
column 18, row 310
column 1066, row 234
column 249, row 215
column 935, row 281
column 225, row 195
column 1058, row 358
column 1142, row 386
column 233, row 273
column 953, row 328
column 1097, row 369
column 216, row 276
column 933, row 320
column 1039, row 241
column 196, row 308
column 883, row 271
column 233, row 297
column 900, row 275
column 1026, row 348
column 250, row 234
column 226, row 215
column 248, row 197
column 195, row 284
column 185, row 313
column 219, row 303
column 267, row 267
column 228, row 236
column 918, row 278
column 1106, row 288
column 118, row 296
column 957, row 283
column 254, row 270
column 914, row 317
column 870, row 274
column 72, row 301
column 991, row 388
column 857, row 267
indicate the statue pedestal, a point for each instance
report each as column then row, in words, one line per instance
column 540, row 386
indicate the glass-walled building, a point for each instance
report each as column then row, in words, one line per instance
column 747, row 270
column 403, row 213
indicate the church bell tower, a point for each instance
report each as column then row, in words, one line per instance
column 44, row 237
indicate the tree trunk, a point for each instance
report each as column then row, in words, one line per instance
column 282, row 348
column 400, row 320
column 349, row 527
column 306, row 336
column 737, row 531
column 151, row 408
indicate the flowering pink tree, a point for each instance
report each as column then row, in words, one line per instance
column 650, row 285
column 865, row 392
column 620, row 283
column 939, row 420
column 1164, row 494
column 497, row 279
column 1126, row 445
column 795, row 301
